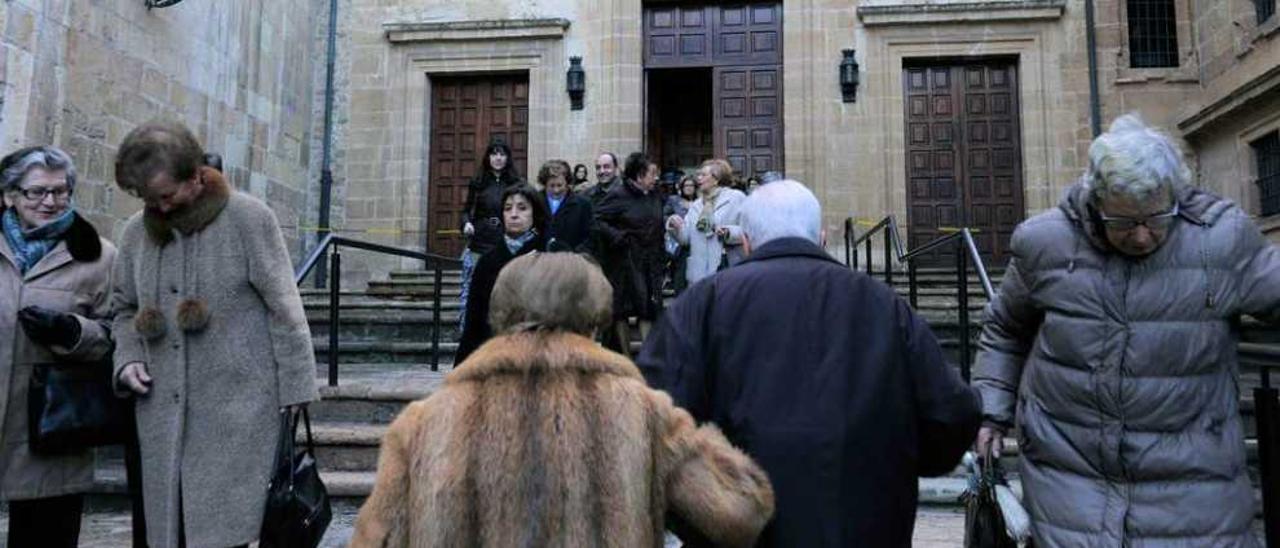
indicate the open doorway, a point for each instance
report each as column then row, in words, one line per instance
column 680, row 131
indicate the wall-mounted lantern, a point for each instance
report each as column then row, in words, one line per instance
column 849, row 76
column 160, row 3
column 577, row 83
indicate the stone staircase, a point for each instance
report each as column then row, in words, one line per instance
column 384, row 354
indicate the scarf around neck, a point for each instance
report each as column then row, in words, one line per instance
column 29, row 246
column 515, row 244
column 709, row 206
column 193, row 217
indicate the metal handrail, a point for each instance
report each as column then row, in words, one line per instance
column 431, row 261
column 890, row 226
column 330, row 239
column 966, row 253
column 1266, row 416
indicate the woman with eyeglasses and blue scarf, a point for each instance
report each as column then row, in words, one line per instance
column 55, row 298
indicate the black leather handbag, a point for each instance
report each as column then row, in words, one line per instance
column 298, row 511
column 71, row 408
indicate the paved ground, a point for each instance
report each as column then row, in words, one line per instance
column 935, row 528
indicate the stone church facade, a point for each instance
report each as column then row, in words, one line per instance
column 965, row 112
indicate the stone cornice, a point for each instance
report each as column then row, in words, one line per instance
column 503, row 29
column 975, row 11
column 1255, row 89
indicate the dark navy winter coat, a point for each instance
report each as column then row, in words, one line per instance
column 569, row 228
column 826, row 378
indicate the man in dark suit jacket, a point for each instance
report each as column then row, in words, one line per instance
column 823, row 375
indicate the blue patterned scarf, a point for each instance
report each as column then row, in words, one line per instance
column 29, row 246
column 514, row 245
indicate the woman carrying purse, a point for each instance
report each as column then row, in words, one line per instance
column 55, row 293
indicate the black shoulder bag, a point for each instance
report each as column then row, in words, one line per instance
column 71, row 408
column 298, row 511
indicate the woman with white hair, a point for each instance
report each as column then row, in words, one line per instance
column 1113, row 336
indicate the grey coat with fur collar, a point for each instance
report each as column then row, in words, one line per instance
column 1123, row 373
column 209, row 427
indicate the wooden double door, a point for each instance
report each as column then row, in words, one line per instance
column 741, row 46
column 964, row 154
column 468, row 113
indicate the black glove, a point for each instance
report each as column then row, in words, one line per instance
column 50, row 327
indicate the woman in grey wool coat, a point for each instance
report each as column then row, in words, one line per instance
column 210, row 332
column 1112, row 347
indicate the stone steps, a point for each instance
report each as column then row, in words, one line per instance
column 386, row 324
column 376, row 351
column 449, row 276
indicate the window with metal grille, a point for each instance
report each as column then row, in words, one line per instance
column 1265, row 9
column 1267, row 151
column 1153, row 34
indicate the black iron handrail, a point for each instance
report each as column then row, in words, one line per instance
column 431, row 261
column 1266, row 416
column 966, row 255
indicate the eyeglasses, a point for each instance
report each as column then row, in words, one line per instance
column 1159, row 221
column 38, row 193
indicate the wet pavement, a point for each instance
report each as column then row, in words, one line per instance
column 935, row 528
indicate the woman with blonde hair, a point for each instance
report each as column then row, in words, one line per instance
column 546, row 439
column 710, row 227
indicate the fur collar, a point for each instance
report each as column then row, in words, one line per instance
column 516, row 353
column 82, row 241
column 194, row 217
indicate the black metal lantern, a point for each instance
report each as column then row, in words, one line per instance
column 161, row 3
column 849, row 76
column 577, row 83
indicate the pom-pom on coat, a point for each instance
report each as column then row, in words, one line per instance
column 206, row 300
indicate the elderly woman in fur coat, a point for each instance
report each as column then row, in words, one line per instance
column 542, row 438
column 210, row 333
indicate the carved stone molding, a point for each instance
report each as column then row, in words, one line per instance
column 505, row 29
column 958, row 11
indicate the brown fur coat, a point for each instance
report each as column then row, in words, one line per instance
column 546, row 439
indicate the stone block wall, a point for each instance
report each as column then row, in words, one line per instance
column 390, row 51
column 80, row 74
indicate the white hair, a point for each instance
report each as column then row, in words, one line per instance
column 1135, row 160
column 781, row 209
column 15, row 166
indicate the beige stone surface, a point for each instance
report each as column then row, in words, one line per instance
column 247, row 75
column 80, row 74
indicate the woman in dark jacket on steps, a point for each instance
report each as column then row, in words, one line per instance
column 523, row 212
column 482, row 214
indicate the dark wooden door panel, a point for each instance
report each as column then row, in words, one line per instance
column 992, row 144
column 933, row 193
column 749, row 34
column 466, row 114
column 964, row 165
column 678, row 36
column 742, row 43
column 748, row 118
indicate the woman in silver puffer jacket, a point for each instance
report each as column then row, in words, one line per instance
column 1113, row 338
